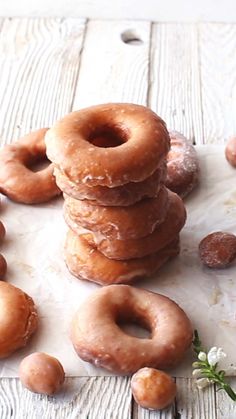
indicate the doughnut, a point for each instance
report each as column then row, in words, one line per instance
column 86, row 262
column 109, row 145
column 218, row 250
column 18, row 320
column 230, row 151
column 3, row 267
column 97, row 337
column 2, row 232
column 153, row 389
column 17, row 180
column 152, row 243
column 182, row 165
column 124, row 195
column 41, row 373
column 132, row 222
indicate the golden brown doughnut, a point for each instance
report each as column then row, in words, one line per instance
column 41, row 373
column 124, row 195
column 86, row 262
column 182, row 165
column 3, row 267
column 97, row 337
column 230, row 151
column 218, row 250
column 17, row 180
column 18, row 319
column 153, row 389
column 108, row 145
column 137, row 248
column 130, row 222
column 2, row 232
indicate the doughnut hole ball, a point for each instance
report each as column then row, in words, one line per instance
column 153, row 389
column 3, row 267
column 218, row 250
column 41, row 373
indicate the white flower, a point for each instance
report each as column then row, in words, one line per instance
column 202, row 383
column 197, row 373
column 215, row 355
column 202, row 356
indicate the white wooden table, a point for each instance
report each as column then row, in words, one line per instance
column 184, row 72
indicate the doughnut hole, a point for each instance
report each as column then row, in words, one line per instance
column 135, row 326
column 41, row 373
column 106, row 136
column 153, row 389
column 3, row 267
column 2, row 232
column 218, row 250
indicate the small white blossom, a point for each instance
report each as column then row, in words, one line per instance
column 197, row 373
column 202, row 356
column 202, row 383
column 215, row 355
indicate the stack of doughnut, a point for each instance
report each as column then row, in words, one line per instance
column 110, row 162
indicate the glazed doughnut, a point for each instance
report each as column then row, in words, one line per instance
column 86, row 262
column 2, row 232
column 41, row 373
column 124, row 195
column 182, row 165
column 3, row 267
column 98, row 338
column 17, row 180
column 108, row 145
column 218, row 250
column 230, row 151
column 132, row 222
column 19, row 319
column 137, row 248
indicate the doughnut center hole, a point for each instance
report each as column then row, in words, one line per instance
column 135, row 327
column 38, row 165
column 108, row 136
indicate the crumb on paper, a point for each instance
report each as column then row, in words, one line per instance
column 215, row 297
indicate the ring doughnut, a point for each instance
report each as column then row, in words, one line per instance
column 17, row 180
column 230, row 151
column 98, row 338
column 86, row 262
column 2, row 232
column 182, row 165
column 137, row 248
column 3, row 267
column 19, row 319
column 108, row 145
column 132, row 222
column 124, row 195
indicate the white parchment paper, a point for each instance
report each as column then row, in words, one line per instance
column 34, row 251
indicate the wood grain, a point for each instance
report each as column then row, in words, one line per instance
column 218, row 75
column 113, row 70
column 175, row 85
column 39, row 62
column 90, row 398
column 194, row 403
column 225, row 407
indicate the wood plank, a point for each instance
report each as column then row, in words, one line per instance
column 113, row 70
column 225, row 407
column 175, row 86
column 90, row 398
column 218, row 74
column 39, row 62
column 193, row 403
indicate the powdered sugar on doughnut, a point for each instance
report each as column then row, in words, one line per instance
column 182, row 165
